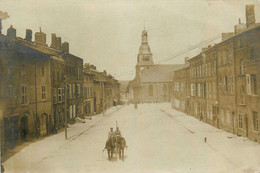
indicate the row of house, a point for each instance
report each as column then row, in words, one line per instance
column 221, row 85
column 41, row 86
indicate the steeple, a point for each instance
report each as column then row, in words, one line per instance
column 145, row 56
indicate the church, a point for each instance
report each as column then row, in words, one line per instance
column 152, row 82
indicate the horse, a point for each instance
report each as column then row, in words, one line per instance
column 110, row 145
column 121, row 144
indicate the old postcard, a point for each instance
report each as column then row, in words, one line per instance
column 139, row 86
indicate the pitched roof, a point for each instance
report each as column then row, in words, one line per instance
column 159, row 73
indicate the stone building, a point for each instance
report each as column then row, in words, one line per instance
column 25, row 91
column 210, row 77
column 247, row 77
column 225, row 81
column 181, row 89
column 152, row 82
column 88, row 90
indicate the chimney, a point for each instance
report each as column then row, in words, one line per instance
column 28, row 35
column 53, row 41
column 65, row 47
column 240, row 27
column 250, row 15
column 40, row 38
column 227, row 35
column 11, row 32
column 58, row 41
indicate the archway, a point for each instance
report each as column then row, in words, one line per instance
column 44, row 124
column 23, row 131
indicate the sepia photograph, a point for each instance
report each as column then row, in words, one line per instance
column 130, row 86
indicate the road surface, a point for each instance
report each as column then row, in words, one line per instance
column 159, row 139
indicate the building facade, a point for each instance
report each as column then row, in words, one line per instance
column 224, row 81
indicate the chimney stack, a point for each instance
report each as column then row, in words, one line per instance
column 53, row 41
column 58, row 44
column 250, row 15
column 65, row 47
column 28, row 35
column 40, row 38
column 227, row 35
column 11, row 32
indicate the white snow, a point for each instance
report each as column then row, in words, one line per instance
column 159, row 139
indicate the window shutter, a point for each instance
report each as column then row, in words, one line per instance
column 248, row 84
column 63, row 94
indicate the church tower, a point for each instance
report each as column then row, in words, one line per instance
column 144, row 57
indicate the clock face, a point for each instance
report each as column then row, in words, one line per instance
column 146, row 58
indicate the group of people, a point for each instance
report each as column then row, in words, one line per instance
column 115, row 141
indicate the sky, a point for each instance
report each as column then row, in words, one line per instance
column 107, row 33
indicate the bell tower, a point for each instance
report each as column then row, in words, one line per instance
column 144, row 57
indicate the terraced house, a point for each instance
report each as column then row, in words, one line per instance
column 225, row 79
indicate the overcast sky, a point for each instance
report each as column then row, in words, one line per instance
column 108, row 33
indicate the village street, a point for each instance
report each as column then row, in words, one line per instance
column 159, row 139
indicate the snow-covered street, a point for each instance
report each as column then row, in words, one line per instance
column 159, row 139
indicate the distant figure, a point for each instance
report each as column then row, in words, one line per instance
column 205, row 139
column 117, row 132
column 111, row 133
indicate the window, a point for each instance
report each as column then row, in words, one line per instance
column 253, row 84
column 150, row 90
column 199, row 90
column 70, row 90
column 24, row 94
column 207, row 70
column 63, row 94
column 255, row 121
column 91, row 94
column 73, row 90
column 43, row 92
column 78, row 89
column 226, row 83
column 241, row 66
column 59, row 95
column 240, row 121
column 248, row 84
column 200, row 72
column 242, row 97
column 193, row 89
column 231, row 83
